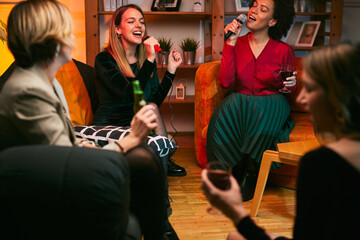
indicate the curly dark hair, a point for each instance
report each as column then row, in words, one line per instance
column 284, row 13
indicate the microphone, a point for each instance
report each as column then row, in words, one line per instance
column 156, row 47
column 241, row 19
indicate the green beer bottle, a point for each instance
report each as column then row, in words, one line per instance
column 139, row 100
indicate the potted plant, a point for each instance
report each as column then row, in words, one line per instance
column 189, row 46
column 2, row 31
column 165, row 45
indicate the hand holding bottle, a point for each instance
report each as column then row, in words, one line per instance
column 139, row 99
column 141, row 125
column 144, row 122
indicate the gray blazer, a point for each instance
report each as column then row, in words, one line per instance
column 31, row 112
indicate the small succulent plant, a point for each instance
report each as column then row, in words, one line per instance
column 165, row 44
column 189, row 44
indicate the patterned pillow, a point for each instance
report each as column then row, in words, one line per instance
column 102, row 135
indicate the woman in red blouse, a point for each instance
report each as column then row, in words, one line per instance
column 256, row 116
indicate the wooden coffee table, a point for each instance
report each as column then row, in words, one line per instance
column 288, row 153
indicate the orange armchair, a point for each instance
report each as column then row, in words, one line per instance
column 208, row 94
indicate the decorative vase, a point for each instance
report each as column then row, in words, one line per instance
column 189, row 57
column 163, row 58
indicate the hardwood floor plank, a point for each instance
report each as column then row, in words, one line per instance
column 190, row 218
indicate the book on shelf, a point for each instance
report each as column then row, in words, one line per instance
column 112, row 5
column 119, row 3
column 107, row 6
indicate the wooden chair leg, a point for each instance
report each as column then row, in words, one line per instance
column 268, row 157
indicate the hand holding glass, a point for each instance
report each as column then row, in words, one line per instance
column 286, row 71
column 219, row 174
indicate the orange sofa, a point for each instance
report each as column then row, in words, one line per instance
column 208, row 94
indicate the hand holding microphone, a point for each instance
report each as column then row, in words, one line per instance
column 233, row 29
column 151, row 45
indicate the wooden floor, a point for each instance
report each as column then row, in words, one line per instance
column 192, row 222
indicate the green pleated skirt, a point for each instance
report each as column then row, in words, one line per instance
column 245, row 126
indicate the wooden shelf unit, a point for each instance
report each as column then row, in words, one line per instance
column 335, row 16
column 92, row 13
column 217, row 16
column 188, row 99
column 200, row 15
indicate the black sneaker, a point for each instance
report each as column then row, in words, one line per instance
column 246, row 175
column 175, row 170
column 248, row 186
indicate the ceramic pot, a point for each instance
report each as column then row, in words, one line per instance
column 189, row 58
column 163, row 58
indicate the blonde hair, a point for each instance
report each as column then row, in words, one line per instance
column 336, row 69
column 116, row 49
column 36, row 28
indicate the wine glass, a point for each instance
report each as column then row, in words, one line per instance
column 219, row 174
column 287, row 70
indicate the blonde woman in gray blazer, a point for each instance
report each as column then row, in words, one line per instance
column 31, row 112
column 40, row 38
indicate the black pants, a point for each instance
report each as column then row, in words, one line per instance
column 147, row 181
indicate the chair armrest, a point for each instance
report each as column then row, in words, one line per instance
column 208, row 94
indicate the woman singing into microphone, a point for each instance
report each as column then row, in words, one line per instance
column 129, row 58
column 125, row 59
column 256, row 115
